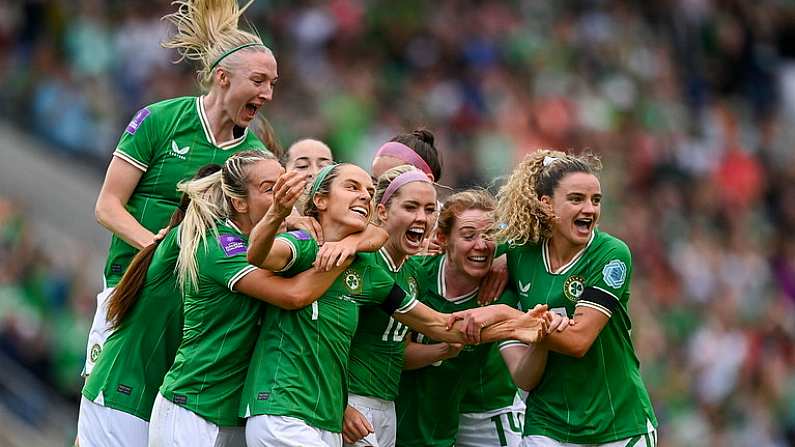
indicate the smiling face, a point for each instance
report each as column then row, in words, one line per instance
column 308, row 156
column 248, row 84
column 576, row 203
column 468, row 247
column 409, row 217
column 347, row 207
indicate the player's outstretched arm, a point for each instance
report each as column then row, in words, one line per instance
column 292, row 293
column 420, row 355
column 332, row 254
column 576, row 341
column 121, row 179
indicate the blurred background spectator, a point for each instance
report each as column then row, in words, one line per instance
column 691, row 104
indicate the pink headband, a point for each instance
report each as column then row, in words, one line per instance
column 402, row 179
column 405, row 153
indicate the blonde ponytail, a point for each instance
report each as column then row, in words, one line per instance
column 207, row 31
column 207, row 206
column 521, row 216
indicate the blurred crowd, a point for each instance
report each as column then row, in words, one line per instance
column 691, row 104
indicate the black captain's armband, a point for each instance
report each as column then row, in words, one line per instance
column 598, row 299
column 393, row 300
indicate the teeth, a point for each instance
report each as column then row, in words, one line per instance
column 477, row 258
column 416, row 231
column 360, row 210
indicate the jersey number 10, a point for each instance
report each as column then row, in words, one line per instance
column 395, row 333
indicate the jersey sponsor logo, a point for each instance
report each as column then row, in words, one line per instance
column 353, row 280
column 96, row 350
column 300, row 235
column 180, row 399
column 137, row 120
column 524, row 288
column 231, row 244
column 179, row 152
column 615, row 273
column 573, row 287
column 263, row 396
column 124, row 389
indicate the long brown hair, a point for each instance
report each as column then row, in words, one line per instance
column 125, row 295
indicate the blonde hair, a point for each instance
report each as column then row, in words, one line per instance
column 521, row 215
column 471, row 199
column 210, row 201
column 206, row 31
column 386, row 179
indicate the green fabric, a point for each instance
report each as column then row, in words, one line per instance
column 169, row 141
column 599, row 398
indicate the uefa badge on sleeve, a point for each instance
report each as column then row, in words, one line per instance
column 615, row 273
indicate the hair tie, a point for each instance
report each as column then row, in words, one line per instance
column 234, row 50
column 404, row 153
column 549, row 160
column 402, row 179
column 321, row 176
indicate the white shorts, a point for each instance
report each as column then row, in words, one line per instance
column 381, row 415
column 174, row 426
column 284, row 431
column 648, row 439
column 100, row 329
column 100, row 426
column 492, row 429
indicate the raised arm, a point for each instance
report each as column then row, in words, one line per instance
column 121, row 179
column 262, row 251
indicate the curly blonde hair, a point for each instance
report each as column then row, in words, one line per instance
column 521, row 215
column 206, row 30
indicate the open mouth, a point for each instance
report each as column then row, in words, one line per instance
column 415, row 235
column 478, row 259
column 251, row 109
column 360, row 210
column 584, row 224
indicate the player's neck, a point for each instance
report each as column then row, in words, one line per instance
column 221, row 125
column 332, row 231
column 456, row 282
column 395, row 254
column 561, row 252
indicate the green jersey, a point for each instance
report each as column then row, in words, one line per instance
column 218, row 333
column 169, row 141
column 431, row 398
column 137, row 355
column 300, row 364
column 599, row 398
column 376, row 358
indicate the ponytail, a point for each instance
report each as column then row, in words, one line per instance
column 125, row 294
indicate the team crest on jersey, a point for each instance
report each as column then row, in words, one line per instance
column 573, row 287
column 96, row 350
column 615, row 273
column 179, row 152
column 353, row 280
column 413, row 287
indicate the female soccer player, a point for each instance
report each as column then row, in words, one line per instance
column 591, row 391
column 415, row 148
column 406, row 207
column 475, row 383
column 297, row 383
column 145, row 313
column 308, row 156
column 200, row 394
column 168, row 141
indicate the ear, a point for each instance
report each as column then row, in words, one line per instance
column 221, row 77
column 382, row 213
column 546, row 200
column 441, row 238
column 321, row 202
column 431, row 178
column 239, row 205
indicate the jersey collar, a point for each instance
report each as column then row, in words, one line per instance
column 394, row 268
column 232, row 225
column 443, row 289
column 208, row 133
column 566, row 267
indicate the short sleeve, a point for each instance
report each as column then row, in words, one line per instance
column 226, row 261
column 381, row 289
column 304, row 251
column 139, row 140
column 607, row 286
